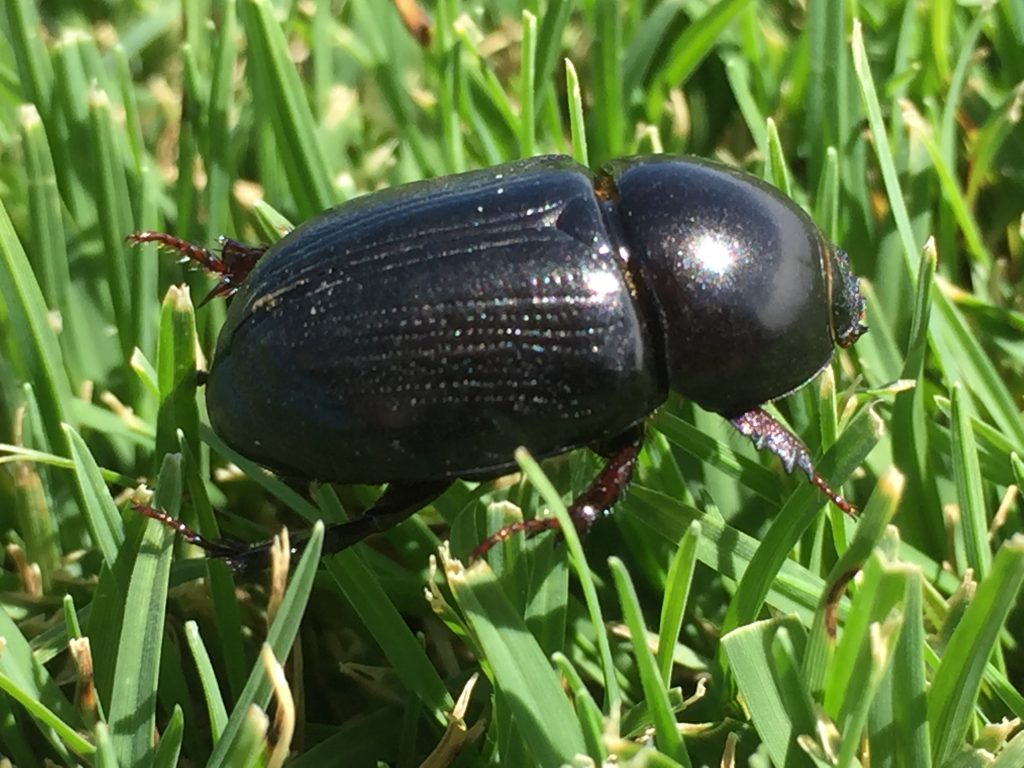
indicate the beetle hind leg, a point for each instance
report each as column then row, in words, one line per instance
column 398, row 502
column 231, row 266
column 596, row 501
column 767, row 433
column 394, row 505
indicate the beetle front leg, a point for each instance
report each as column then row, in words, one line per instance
column 596, row 501
column 767, row 433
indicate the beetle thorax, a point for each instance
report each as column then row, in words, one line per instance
column 736, row 272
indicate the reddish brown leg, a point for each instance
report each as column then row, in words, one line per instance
column 394, row 505
column 230, row 551
column 767, row 433
column 595, row 502
column 232, row 266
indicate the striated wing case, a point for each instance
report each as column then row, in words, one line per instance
column 426, row 331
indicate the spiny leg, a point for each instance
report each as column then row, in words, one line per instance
column 394, row 505
column 766, row 432
column 231, row 267
column 598, row 499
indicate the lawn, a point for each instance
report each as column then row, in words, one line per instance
column 725, row 614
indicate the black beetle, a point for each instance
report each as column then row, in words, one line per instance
column 420, row 334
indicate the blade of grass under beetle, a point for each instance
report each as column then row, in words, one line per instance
column 403, row 649
column 578, row 559
column 764, row 659
column 268, row 482
column 140, row 646
column 666, row 731
column 238, row 732
column 524, row 680
column 226, row 612
column 753, row 474
column 589, row 714
column 215, row 709
column 677, row 590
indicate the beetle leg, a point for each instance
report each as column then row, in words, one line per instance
column 766, row 432
column 204, row 257
column 594, row 502
column 232, row 266
column 394, row 505
column 231, row 551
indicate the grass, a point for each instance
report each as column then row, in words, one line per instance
column 691, row 628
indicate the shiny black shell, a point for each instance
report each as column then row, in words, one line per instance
column 426, row 331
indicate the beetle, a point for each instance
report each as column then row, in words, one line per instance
column 417, row 335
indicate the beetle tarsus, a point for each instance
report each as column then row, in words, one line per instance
column 593, row 503
column 231, row 267
column 768, row 434
column 229, row 550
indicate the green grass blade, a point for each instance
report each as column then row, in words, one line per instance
column 280, row 97
column 666, row 732
column 677, row 590
column 116, row 217
column 763, row 659
column 522, row 673
column 31, row 341
column 956, row 683
column 238, row 733
column 216, row 711
column 360, row 586
column 579, row 562
column 133, row 703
